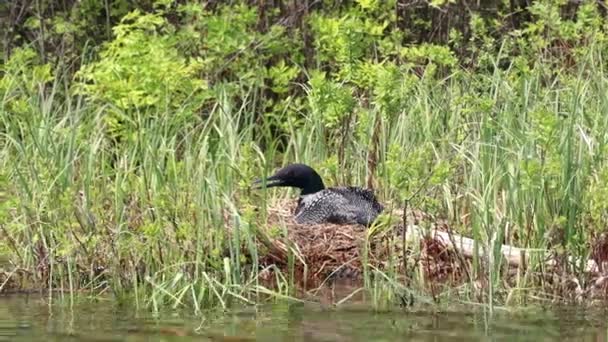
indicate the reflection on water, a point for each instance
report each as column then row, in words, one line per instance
column 31, row 318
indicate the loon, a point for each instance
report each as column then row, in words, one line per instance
column 317, row 204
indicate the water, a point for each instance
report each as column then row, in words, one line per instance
column 31, row 318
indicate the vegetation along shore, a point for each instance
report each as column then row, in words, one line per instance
column 131, row 132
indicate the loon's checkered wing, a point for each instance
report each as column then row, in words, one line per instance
column 362, row 198
column 319, row 207
column 362, row 204
column 345, row 205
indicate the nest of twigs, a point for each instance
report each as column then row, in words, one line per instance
column 330, row 251
column 319, row 251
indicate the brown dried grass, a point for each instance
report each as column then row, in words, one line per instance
column 319, row 250
column 334, row 251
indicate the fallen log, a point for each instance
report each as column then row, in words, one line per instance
column 515, row 256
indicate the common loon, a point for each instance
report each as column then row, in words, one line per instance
column 317, row 204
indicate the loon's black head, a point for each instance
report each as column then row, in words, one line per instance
column 299, row 176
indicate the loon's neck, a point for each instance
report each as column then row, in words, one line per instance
column 314, row 185
column 309, row 192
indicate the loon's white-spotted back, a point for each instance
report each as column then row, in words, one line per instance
column 317, row 204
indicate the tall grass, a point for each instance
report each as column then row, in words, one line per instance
column 165, row 215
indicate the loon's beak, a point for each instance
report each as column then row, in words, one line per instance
column 270, row 182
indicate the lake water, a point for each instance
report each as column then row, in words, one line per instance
column 31, row 318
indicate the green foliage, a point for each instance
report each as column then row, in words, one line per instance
column 136, row 154
column 329, row 101
column 415, row 175
column 23, row 75
column 345, row 40
column 597, row 211
column 388, row 84
column 439, row 55
column 141, row 71
column 282, row 75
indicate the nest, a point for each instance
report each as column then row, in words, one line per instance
column 331, row 251
column 319, row 251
